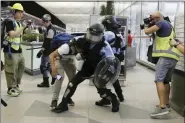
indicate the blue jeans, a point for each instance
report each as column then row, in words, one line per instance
column 45, row 67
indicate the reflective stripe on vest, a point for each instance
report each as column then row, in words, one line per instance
column 162, row 48
column 16, row 41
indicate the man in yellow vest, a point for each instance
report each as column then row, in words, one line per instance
column 14, row 61
column 167, row 57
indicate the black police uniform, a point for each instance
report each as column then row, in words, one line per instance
column 92, row 58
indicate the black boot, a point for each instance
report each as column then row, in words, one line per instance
column 115, row 103
column 53, row 81
column 62, row 107
column 103, row 102
column 45, row 82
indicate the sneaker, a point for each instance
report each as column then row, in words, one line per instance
column 159, row 112
column 18, row 90
column 53, row 104
column 13, row 92
column 167, row 106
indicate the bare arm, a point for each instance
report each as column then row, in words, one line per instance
column 151, row 29
column 52, row 58
column 180, row 47
column 13, row 33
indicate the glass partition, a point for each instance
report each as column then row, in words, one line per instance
column 168, row 9
column 126, row 13
column 135, row 26
column 140, row 10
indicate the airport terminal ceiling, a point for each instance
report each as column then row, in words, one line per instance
column 76, row 15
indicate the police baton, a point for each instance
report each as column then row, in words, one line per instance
column 3, row 103
column 34, row 48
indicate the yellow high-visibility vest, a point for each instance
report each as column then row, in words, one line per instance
column 162, row 48
column 16, row 41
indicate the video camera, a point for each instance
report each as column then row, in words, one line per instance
column 149, row 21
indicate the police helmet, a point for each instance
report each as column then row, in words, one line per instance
column 46, row 18
column 110, row 23
column 95, row 33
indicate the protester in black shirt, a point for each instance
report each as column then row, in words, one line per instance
column 46, row 50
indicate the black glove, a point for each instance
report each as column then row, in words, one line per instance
column 39, row 54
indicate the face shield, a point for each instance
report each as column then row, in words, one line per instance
column 94, row 37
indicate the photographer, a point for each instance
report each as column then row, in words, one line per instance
column 167, row 58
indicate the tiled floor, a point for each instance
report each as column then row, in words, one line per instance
column 32, row 106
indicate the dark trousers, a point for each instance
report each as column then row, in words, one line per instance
column 45, row 66
column 72, row 86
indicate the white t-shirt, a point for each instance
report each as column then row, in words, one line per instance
column 64, row 49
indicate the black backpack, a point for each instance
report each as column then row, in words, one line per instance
column 3, row 31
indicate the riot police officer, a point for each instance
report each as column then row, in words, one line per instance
column 117, row 44
column 92, row 47
column 46, row 50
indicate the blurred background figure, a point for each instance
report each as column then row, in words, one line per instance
column 129, row 39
